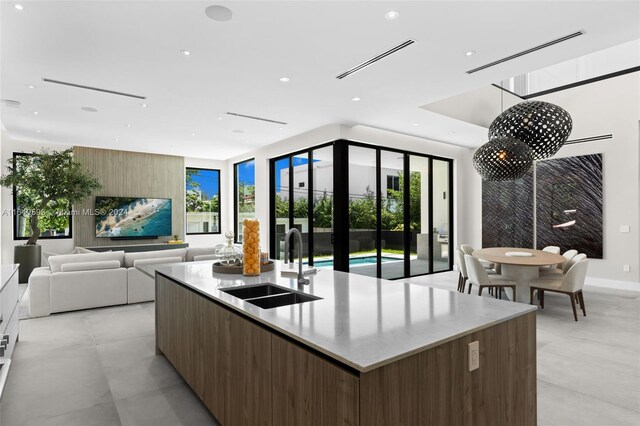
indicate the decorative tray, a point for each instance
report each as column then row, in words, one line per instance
column 518, row 254
column 237, row 269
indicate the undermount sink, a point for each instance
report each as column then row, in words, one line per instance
column 252, row 291
column 268, row 296
column 282, row 300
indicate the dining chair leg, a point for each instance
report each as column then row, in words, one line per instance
column 459, row 281
column 573, row 306
column 584, row 310
column 470, row 285
column 541, row 298
column 514, row 293
column 531, row 290
column 480, row 290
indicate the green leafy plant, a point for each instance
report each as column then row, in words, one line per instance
column 45, row 183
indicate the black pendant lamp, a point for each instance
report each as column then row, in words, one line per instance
column 544, row 127
column 503, row 158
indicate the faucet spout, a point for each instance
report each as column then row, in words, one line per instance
column 294, row 231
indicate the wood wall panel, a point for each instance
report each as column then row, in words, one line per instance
column 129, row 174
column 502, row 392
column 307, row 390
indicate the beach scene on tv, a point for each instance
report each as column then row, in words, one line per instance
column 132, row 217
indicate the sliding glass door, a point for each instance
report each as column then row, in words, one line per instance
column 388, row 216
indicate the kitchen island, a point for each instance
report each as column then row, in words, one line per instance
column 366, row 352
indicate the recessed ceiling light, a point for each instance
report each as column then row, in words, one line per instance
column 37, row 131
column 285, row 79
column 219, row 117
column 452, row 132
column 280, row 128
column 238, row 131
column 356, row 99
column 416, row 124
column 89, row 109
column 470, row 52
column 116, row 140
column 391, row 15
column 218, row 13
column 143, row 105
column 127, row 125
column 31, row 86
column 193, row 134
column 185, row 52
column 18, row 6
column 35, row 112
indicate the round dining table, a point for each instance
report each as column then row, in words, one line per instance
column 521, row 265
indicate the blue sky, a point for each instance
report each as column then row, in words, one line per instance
column 208, row 181
column 247, row 172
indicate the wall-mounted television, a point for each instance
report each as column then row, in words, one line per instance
column 129, row 217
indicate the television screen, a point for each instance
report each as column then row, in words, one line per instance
column 132, row 217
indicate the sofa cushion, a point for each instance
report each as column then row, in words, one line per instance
column 157, row 260
column 46, row 255
column 90, row 266
column 199, row 251
column 129, row 258
column 205, row 257
column 56, row 262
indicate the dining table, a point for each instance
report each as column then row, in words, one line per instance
column 521, row 265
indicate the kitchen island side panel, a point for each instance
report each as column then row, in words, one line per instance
column 435, row 387
column 224, row 358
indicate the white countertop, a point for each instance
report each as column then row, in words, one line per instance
column 362, row 322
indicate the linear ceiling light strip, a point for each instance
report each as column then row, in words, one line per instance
column 97, row 89
column 590, row 139
column 526, row 52
column 375, row 59
column 235, row 114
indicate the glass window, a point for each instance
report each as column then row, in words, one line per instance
column 245, row 194
column 203, row 201
column 54, row 222
column 441, row 214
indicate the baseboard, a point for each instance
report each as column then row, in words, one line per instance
column 615, row 284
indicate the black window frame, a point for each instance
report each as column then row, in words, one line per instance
column 14, row 194
column 235, row 195
column 219, row 202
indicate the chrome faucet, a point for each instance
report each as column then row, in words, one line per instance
column 301, row 279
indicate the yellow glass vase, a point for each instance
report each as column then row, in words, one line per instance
column 251, row 247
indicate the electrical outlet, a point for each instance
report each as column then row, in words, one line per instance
column 625, row 268
column 474, row 355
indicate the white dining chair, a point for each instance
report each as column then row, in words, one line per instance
column 570, row 284
column 555, row 272
column 462, row 278
column 467, row 249
column 550, row 249
column 568, row 255
column 479, row 276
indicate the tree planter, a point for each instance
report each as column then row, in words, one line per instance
column 29, row 258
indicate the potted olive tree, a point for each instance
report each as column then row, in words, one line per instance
column 46, row 185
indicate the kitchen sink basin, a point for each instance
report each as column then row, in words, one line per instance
column 252, row 291
column 268, row 296
column 282, row 300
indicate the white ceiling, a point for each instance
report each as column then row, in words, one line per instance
column 134, row 47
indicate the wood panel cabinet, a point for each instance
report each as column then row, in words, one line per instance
column 247, row 374
column 224, row 358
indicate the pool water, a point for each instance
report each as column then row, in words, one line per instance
column 366, row 260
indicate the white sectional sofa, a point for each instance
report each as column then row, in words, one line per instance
column 92, row 280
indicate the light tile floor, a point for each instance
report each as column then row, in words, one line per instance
column 98, row 367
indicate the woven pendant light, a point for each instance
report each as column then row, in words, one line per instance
column 544, row 127
column 503, row 158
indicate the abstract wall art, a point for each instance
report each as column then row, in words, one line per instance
column 569, row 204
